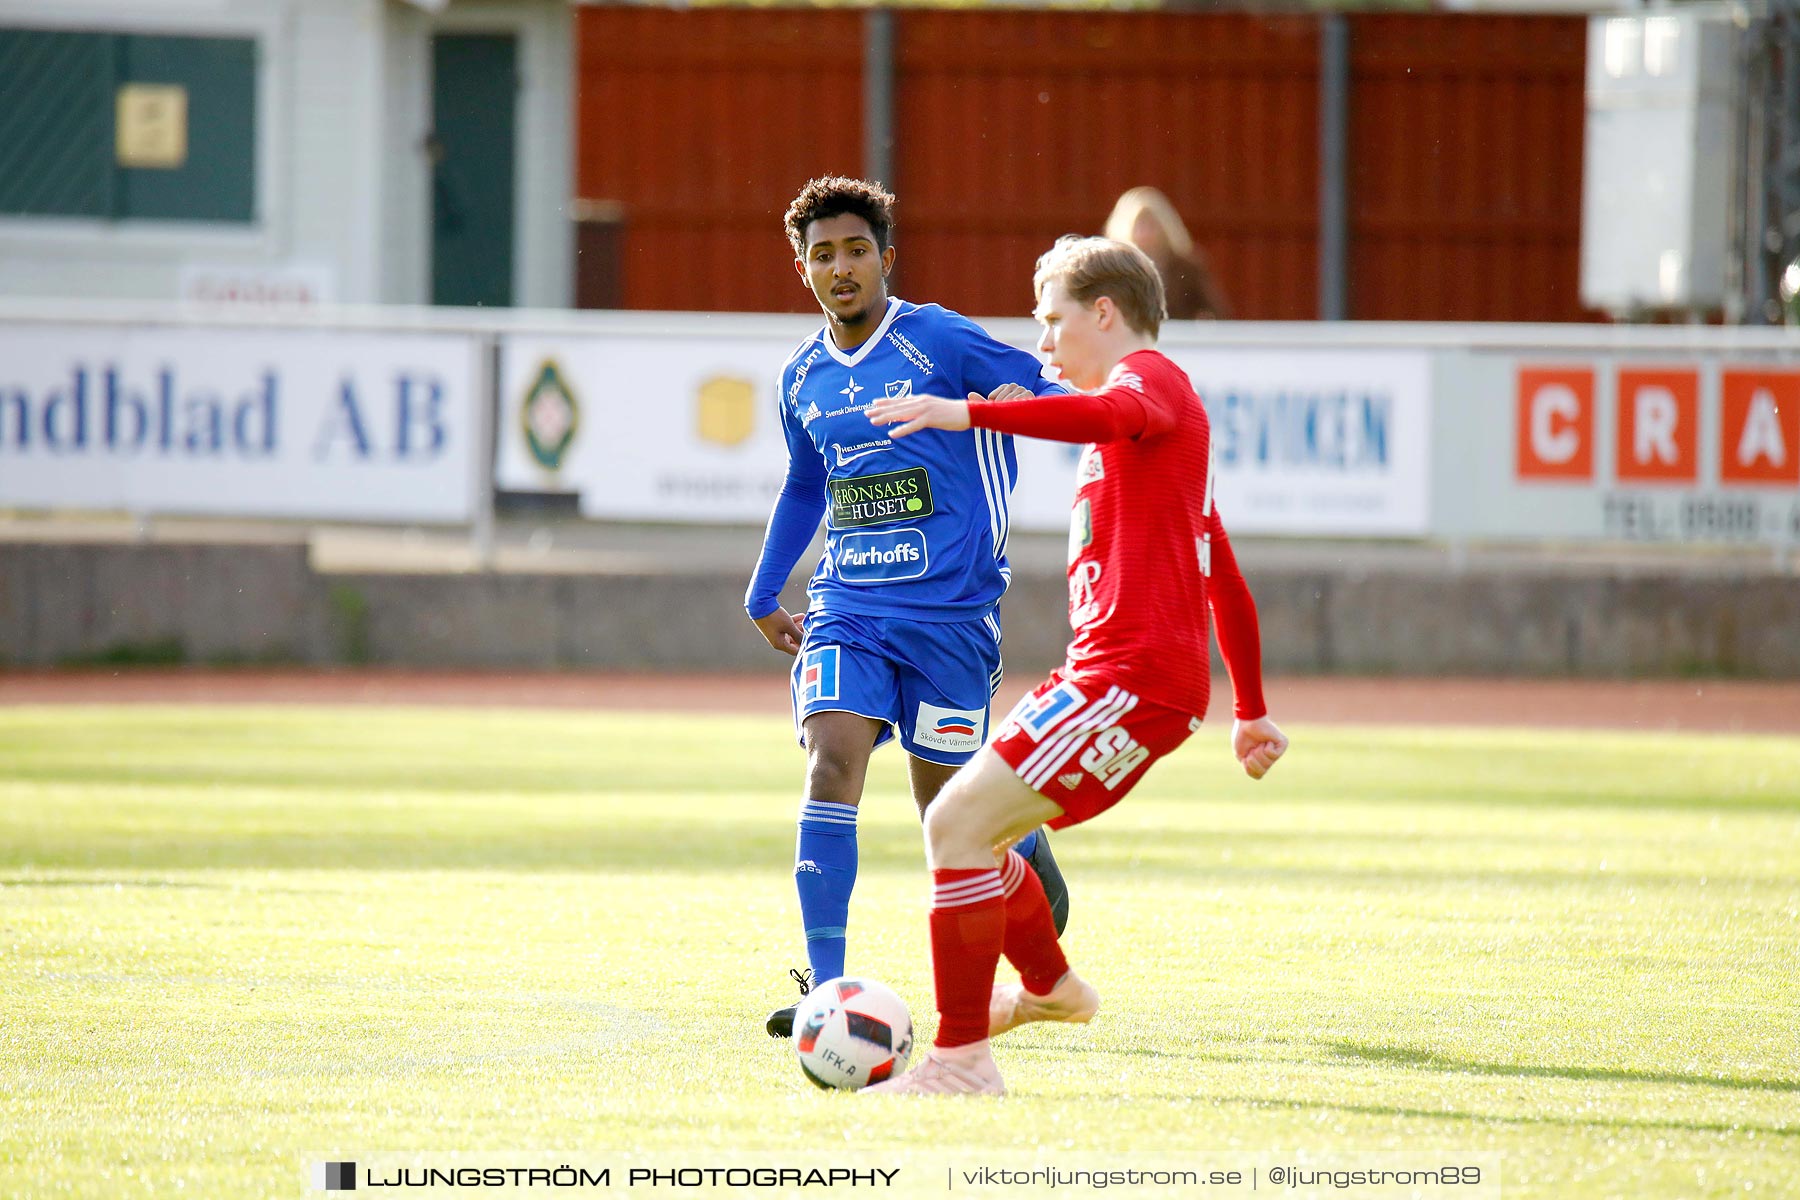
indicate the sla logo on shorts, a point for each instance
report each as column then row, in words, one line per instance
column 817, row 674
column 883, row 557
column 954, row 729
column 879, row 499
column 1114, row 755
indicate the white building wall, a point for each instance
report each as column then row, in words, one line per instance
column 406, row 202
column 328, row 142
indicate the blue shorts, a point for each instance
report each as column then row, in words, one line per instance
column 932, row 681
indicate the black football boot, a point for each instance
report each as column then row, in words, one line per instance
column 1043, row 863
column 781, row 1021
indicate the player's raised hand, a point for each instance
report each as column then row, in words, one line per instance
column 913, row 413
column 781, row 631
column 1257, row 744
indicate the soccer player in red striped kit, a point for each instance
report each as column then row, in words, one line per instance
column 1148, row 558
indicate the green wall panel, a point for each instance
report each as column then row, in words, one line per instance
column 58, row 96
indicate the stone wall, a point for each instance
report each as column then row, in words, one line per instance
column 209, row 603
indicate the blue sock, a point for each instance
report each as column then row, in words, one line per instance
column 1026, row 844
column 825, row 875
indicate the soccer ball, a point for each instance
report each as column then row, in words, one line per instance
column 850, row 1033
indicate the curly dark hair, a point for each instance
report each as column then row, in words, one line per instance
column 835, row 196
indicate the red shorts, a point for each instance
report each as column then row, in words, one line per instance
column 1084, row 745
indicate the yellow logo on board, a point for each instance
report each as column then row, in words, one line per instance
column 725, row 411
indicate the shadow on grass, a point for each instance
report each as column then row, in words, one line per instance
column 1425, row 1060
column 669, row 767
column 1385, row 860
column 109, row 883
column 1056, row 1049
column 1435, row 1114
column 648, row 845
column 503, row 838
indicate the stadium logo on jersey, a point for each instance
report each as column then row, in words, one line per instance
column 800, row 373
column 954, row 729
column 884, row 557
column 1090, row 467
column 899, row 390
column 551, row 415
column 860, row 450
column 725, row 410
column 878, row 499
column 817, row 674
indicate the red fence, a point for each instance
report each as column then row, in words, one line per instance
column 1014, row 127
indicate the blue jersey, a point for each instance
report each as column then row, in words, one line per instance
column 915, row 527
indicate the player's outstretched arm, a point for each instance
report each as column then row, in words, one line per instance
column 1257, row 744
column 909, row 414
column 781, row 631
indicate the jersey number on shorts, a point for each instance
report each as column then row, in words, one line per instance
column 1049, row 708
column 818, row 674
column 1114, row 755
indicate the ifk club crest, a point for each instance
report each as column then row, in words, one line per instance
column 725, row 410
column 551, row 414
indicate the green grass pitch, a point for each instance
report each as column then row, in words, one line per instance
column 237, row 936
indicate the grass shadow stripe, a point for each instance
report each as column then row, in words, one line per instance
column 1425, row 1060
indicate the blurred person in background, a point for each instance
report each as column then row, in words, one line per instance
column 902, row 638
column 1144, row 218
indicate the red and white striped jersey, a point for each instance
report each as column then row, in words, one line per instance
column 1148, row 555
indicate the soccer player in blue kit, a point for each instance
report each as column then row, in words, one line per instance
column 902, row 636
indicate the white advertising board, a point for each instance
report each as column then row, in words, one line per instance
column 678, row 427
column 670, row 426
column 243, row 422
column 1314, row 443
column 1639, row 447
column 1325, row 442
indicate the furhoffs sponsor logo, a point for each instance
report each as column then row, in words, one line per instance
column 891, row 554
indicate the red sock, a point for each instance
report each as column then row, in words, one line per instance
column 968, row 927
column 1031, row 945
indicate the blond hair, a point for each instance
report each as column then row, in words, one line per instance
column 1148, row 200
column 1091, row 267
